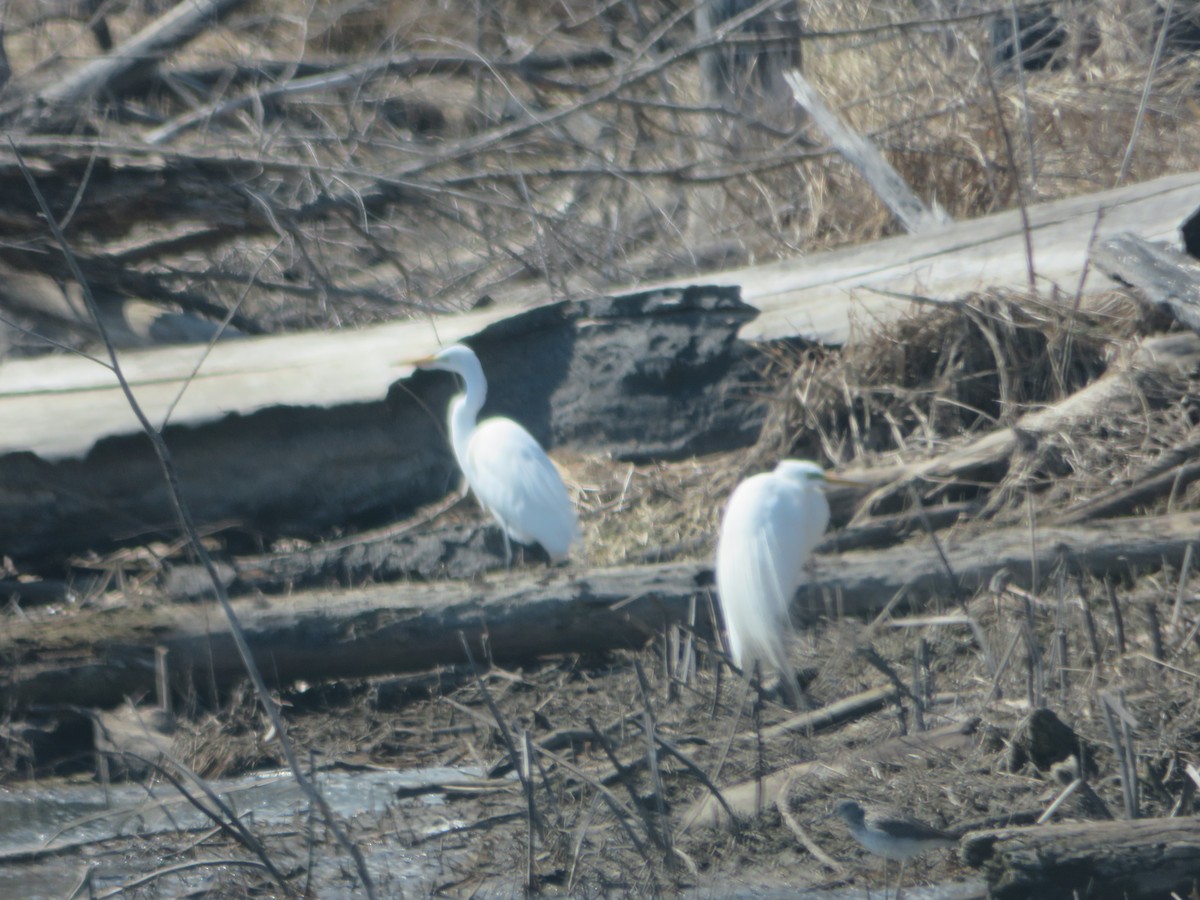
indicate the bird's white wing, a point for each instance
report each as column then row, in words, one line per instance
column 515, row 479
column 767, row 534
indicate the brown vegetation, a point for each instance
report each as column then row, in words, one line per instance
column 530, row 150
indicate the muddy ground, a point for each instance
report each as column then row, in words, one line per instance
column 433, row 183
column 607, row 816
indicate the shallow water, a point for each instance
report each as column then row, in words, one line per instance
column 77, row 820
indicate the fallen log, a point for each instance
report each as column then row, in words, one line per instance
column 1160, row 275
column 1129, row 860
column 825, row 296
column 463, row 551
column 656, row 375
column 99, row 656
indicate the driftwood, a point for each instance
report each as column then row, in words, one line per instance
column 1123, row 388
column 1129, row 860
column 657, row 375
column 832, row 297
column 906, row 206
column 914, row 749
column 1161, row 275
column 100, row 656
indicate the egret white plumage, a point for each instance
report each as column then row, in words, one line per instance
column 504, row 464
column 771, row 525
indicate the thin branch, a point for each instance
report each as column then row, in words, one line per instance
column 184, row 515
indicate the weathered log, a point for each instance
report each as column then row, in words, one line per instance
column 1129, row 860
column 826, row 297
column 463, row 551
column 656, row 375
column 1161, row 275
column 100, row 656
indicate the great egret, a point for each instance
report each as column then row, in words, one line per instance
column 504, row 465
column 771, row 525
column 891, row 834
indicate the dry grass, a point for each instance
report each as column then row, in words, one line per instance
column 913, row 389
column 637, row 172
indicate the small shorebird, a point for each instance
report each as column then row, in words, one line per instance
column 891, row 834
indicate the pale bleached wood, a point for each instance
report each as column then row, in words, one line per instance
column 64, row 405
column 889, row 186
column 839, row 296
column 1160, row 275
column 645, row 375
column 179, row 25
column 60, row 406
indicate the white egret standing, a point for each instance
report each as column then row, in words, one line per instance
column 505, row 466
column 771, row 525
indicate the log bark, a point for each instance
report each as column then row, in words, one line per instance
column 463, row 551
column 827, row 297
column 656, row 375
column 1161, row 275
column 1130, row 860
column 100, row 656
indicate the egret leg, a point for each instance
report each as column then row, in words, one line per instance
column 507, row 550
column 760, row 763
column 900, row 877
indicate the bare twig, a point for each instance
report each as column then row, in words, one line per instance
column 514, row 755
column 781, row 804
column 183, row 513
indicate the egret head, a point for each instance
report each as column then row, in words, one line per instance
column 850, row 811
column 801, row 471
column 457, row 358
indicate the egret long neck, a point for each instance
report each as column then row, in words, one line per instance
column 463, row 415
column 464, row 409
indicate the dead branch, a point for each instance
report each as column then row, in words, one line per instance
column 174, row 28
column 1174, row 471
column 1168, row 357
column 887, row 183
column 918, row 749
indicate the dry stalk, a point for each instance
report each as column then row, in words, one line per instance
column 188, row 526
